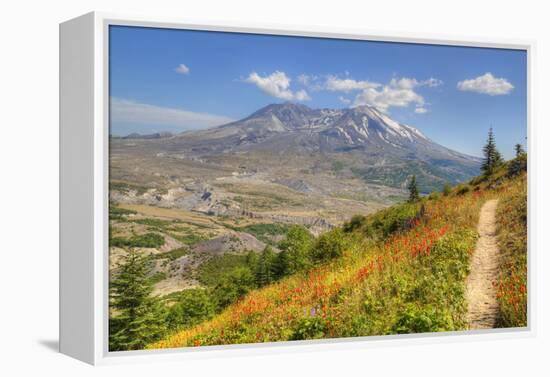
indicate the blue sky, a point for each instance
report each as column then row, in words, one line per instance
column 177, row 80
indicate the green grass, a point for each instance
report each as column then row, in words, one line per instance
column 189, row 239
column 158, row 277
column 125, row 187
column 172, row 255
column 149, row 240
column 385, row 222
column 157, row 223
column 117, row 213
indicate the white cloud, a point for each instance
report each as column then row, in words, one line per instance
column 344, row 100
column 183, row 69
column 312, row 82
column 336, row 84
column 301, row 95
column 411, row 83
column 486, row 84
column 432, row 82
column 305, row 79
column 399, row 92
column 127, row 114
column 404, row 83
column 277, row 85
column 389, row 96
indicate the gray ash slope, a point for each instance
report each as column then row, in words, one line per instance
column 361, row 141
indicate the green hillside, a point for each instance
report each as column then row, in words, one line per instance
column 400, row 270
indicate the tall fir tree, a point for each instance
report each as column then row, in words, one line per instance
column 491, row 156
column 252, row 260
column 519, row 150
column 281, row 265
column 519, row 163
column 294, row 255
column 413, row 190
column 138, row 318
column 265, row 269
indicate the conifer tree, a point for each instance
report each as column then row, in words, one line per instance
column 281, row 265
column 252, row 260
column 234, row 285
column 329, row 245
column 491, row 156
column 519, row 150
column 413, row 190
column 265, row 270
column 138, row 317
column 294, row 255
column 519, row 163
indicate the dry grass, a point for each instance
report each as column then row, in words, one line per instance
column 512, row 234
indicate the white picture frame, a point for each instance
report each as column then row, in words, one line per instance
column 84, row 118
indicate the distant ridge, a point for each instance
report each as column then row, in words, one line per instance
column 157, row 135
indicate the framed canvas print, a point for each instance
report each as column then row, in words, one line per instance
column 233, row 189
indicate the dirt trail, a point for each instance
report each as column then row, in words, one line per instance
column 480, row 293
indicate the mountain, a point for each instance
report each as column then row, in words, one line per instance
column 362, row 141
